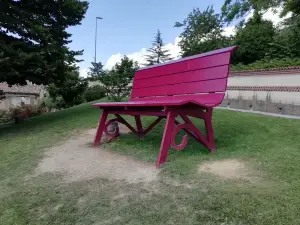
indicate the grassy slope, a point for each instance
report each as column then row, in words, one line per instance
column 269, row 146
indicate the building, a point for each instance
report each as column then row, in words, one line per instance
column 14, row 95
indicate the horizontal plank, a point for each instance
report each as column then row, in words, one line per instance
column 211, row 99
column 190, row 76
column 183, row 66
column 207, row 86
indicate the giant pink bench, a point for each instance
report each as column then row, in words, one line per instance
column 190, row 86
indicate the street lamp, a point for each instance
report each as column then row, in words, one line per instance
column 97, row 18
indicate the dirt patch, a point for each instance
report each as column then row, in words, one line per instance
column 228, row 169
column 78, row 161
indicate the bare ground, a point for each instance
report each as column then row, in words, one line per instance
column 228, row 169
column 77, row 160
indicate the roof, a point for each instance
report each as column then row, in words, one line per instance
column 18, row 89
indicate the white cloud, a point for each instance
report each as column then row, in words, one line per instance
column 174, row 49
column 83, row 72
column 228, row 31
column 113, row 60
column 139, row 56
column 274, row 17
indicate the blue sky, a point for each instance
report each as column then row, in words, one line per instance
column 128, row 26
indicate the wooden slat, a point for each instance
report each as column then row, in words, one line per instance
column 211, row 98
column 182, row 66
column 218, row 85
column 185, row 77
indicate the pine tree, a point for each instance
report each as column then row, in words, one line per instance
column 96, row 71
column 157, row 53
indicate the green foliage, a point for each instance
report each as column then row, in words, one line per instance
column 157, row 53
column 94, row 93
column 267, row 63
column 286, row 43
column 71, row 90
column 258, row 39
column 117, row 80
column 238, row 9
column 253, row 39
column 23, row 111
column 4, row 116
column 52, row 103
column 34, row 40
column 2, row 95
column 96, row 71
column 202, row 32
column 290, row 6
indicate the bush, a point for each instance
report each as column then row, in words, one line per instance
column 24, row 111
column 94, row 93
column 4, row 116
column 267, row 63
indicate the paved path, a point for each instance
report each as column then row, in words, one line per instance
column 263, row 113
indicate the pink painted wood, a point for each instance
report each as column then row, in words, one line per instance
column 190, row 86
column 184, row 77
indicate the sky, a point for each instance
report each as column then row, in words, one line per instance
column 128, row 27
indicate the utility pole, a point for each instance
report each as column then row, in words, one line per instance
column 97, row 18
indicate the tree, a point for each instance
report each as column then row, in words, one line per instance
column 157, row 53
column 117, row 80
column 96, row 70
column 237, row 9
column 253, row 39
column 70, row 91
column 34, row 39
column 94, row 93
column 202, row 32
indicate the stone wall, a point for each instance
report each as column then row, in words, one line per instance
column 274, row 91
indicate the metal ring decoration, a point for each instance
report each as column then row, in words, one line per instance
column 113, row 134
column 184, row 139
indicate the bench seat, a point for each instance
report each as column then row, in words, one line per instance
column 204, row 100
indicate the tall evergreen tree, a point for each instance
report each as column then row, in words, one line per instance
column 34, row 38
column 157, row 53
column 96, row 71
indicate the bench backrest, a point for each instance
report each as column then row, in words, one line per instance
column 203, row 73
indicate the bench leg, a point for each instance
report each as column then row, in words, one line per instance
column 209, row 130
column 139, row 127
column 166, row 139
column 100, row 128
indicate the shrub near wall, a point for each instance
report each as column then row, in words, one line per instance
column 94, row 93
column 22, row 112
column 267, row 64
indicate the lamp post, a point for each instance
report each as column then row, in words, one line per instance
column 97, row 18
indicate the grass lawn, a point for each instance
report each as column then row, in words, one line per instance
column 269, row 148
